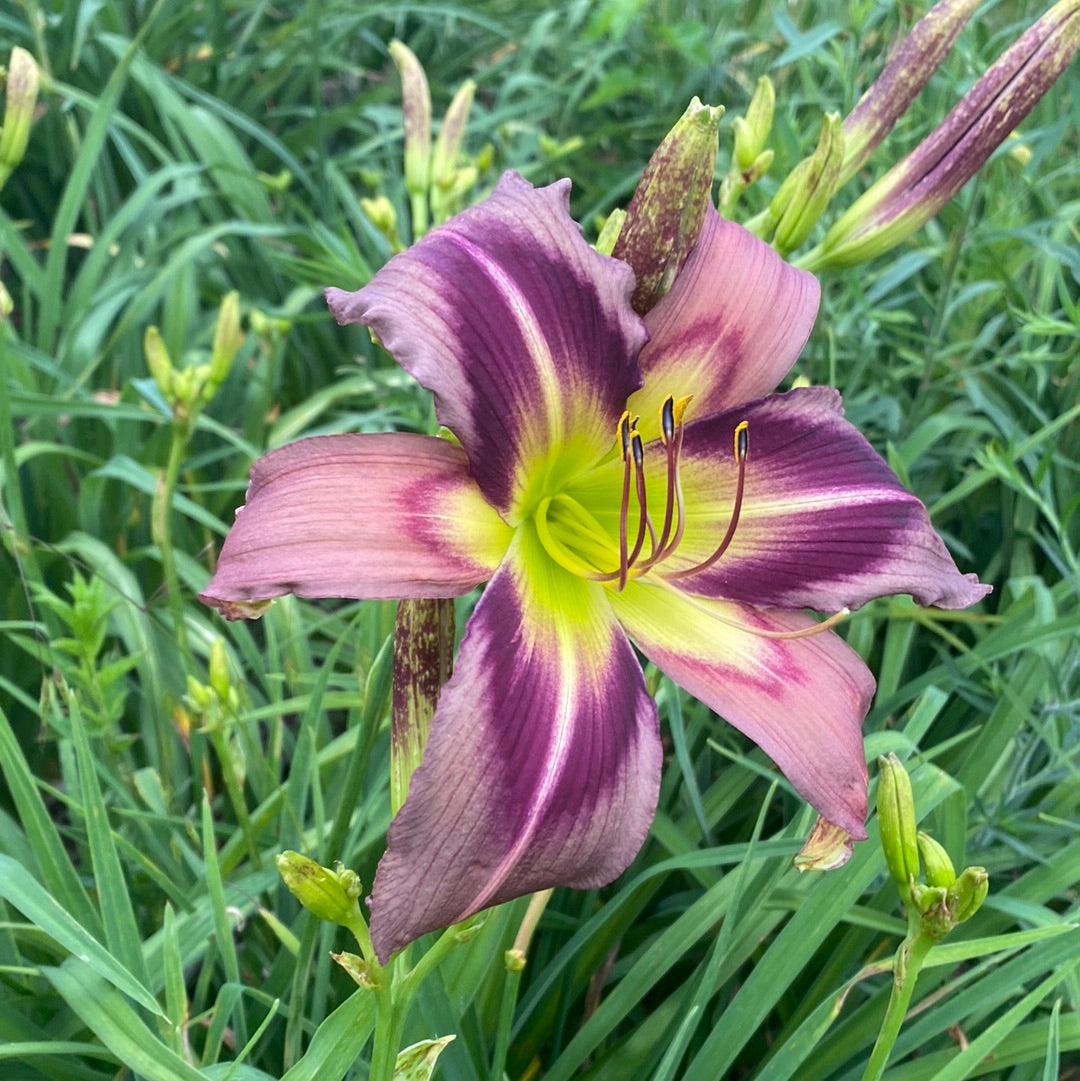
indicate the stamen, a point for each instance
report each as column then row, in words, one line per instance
column 671, row 435
column 625, row 430
column 643, row 512
column 741, row 441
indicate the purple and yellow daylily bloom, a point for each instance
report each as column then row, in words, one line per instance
column 614, row 480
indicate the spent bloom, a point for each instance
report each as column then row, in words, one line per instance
column 615, row 479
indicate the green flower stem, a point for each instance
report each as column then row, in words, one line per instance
column 909, row 960
column 418, row 214
column 162, row 527
column 515, row 965
column 506, row 1018
column 389, row 1026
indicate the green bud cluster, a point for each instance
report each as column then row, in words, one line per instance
column 751, row 158
column 436, row 179
column 189, row 389
column 945, row 898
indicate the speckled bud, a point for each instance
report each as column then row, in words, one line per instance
column 668, row 206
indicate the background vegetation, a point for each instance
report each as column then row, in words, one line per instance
column 186, row 150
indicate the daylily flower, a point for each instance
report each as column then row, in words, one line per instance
column 617, row 480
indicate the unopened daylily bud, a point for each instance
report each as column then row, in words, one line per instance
column 199, row 695
column 451, row 132
column 423, row 659
column 269, row 326
column 416, row 106
column 750, row 158
column 916, row 58
column 381, row 213
column 609, row 234
column 227, row 341
column 913, row 191
column 7, row 305
column 967, row 893
column 159, row 362
column 803, row 196
column 937, row 866
column 752, row 131
column 668, row 206
column 896, row 820
column 219, row 670
column 20, row 93
column 514, row 960
column 326, row 894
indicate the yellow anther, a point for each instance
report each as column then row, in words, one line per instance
column 742, row 440
column 625, row 429
column 680, row 407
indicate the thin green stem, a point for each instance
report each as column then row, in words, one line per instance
column 909, row 960
column 391, row 1009
column 162, row 523
column 506, row 1019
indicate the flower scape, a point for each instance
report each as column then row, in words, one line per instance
column 618, row 481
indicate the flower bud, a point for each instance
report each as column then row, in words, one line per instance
column 805, row 193
column 328, row 895
column 219, row 670
column 448, row 142
column 668, row 206
column 423, row 659
column 381, row 213
column 514, row 960
column 967, row 893
column 7, row 305
column 609, row 233
column 914, row 190
column 752, row 131
column 910, row 66
column 21, row 89
column 159, row 363
column 416, row 106
column 227, row 341
column 896, row 820
column 935, row 860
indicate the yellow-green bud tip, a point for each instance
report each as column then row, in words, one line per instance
column 328, row 895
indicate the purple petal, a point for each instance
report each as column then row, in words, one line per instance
column 524, row 334
column 825, row 523
column 543, row 765
column 732, row 326
column 358, row 516
column 801, row 700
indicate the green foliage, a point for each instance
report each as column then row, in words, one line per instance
column 156, row 760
